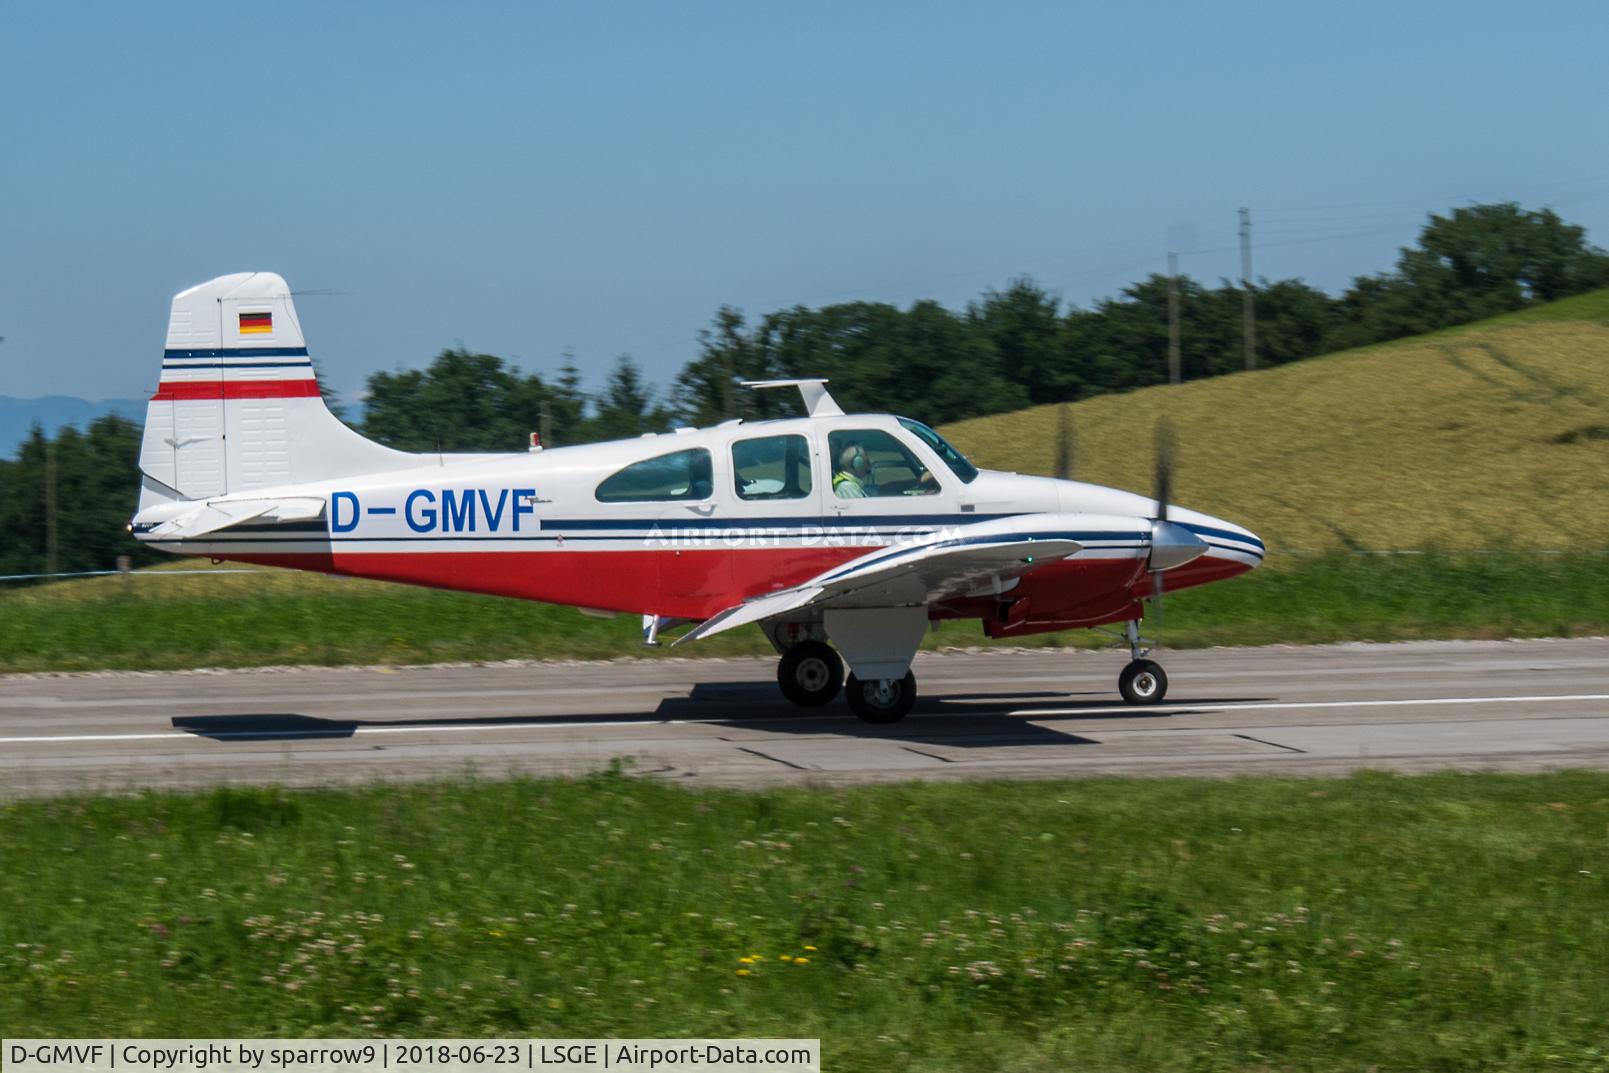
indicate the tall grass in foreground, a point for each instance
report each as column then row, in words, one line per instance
column 151, row 621
column 1447, row 922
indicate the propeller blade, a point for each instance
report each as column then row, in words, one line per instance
column 1166, row 451
column 1066, row 442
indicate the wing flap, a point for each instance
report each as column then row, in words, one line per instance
column 756, row 610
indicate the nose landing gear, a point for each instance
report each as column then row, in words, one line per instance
column 1143, row 681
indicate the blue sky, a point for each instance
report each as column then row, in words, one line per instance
column 528, row 179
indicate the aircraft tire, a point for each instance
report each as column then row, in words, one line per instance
column 810, row 674
column 884, row 701
column 1143, row 682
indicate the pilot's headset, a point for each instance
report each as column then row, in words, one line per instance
column 854, row 460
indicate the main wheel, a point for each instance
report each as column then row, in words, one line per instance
column 882, row 700
column 810, row 674
column 1143, row 682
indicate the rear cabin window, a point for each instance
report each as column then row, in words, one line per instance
column 678, row 475
column 870, row 463
column 771, row 467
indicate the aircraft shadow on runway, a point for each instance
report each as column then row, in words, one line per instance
column 275, row 726
column 965, row 719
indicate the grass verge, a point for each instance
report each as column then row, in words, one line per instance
column 153, row 621
column 1442, row 922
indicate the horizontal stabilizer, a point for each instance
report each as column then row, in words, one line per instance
column 223, row 513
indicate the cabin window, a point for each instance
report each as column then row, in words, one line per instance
column 870, row 463
column 771, row 467
column 678, row 475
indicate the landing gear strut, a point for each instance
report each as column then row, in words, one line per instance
column 810, row 674
column 1143, row 681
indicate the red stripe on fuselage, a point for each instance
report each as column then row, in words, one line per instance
column 685, row 583
column 697, row 583
column 235, row 389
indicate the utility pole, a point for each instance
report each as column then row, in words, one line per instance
column 50, row 506
column 1174, row 371
column 1248, row 304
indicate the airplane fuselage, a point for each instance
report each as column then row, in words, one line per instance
column 740, row 510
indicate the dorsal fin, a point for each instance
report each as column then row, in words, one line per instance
column 817, row 402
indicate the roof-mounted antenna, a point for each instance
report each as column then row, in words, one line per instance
column 817, row 402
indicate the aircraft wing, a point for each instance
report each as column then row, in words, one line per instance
column 944, row 565
column 218, row 514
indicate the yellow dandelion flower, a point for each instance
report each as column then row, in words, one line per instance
column 801, row 961
column 811, row 949
column 782, row 957
column 745, row 961
column 743, row 972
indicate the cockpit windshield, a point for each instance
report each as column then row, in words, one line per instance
column 952, row 458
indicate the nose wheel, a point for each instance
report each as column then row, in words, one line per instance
column 1143, row 682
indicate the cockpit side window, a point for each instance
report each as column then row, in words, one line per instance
column 941, row 447
column 869, row 463
column 679, row 475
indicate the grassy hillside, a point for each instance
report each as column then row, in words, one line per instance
column 1491, row 434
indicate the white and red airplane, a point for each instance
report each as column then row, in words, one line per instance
column 842, row 536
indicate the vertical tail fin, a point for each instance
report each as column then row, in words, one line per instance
column 238, row 407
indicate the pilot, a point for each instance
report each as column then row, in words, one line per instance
column 854, row 477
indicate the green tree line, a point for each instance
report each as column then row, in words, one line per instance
column 1005, row 350
column 1008, row 349
column 65, row 501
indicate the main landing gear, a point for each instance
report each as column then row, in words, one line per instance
column 881, row 700
column 876, row 642
column 811, row 674
column 1143, row 681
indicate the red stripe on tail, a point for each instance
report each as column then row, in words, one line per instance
column 238, row 389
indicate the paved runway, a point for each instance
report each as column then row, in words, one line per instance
column 1514, row 705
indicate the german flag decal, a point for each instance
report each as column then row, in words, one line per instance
column 256, row 323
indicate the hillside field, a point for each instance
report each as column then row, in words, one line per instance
column 1491, row 435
